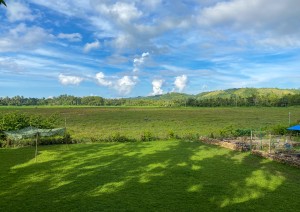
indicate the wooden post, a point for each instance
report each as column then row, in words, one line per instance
column 251, row 141
column 66, row 132
column 270, row 144
column 36, row 144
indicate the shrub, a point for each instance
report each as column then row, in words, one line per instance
column 171, row 134
column 242, row 132
column 147, row 136
column 117, row 137
column 227, row 132
column 278, row 130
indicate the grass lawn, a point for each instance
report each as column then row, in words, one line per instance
column 148, row 176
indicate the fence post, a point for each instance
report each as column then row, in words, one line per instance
column 251, row 141
column 270, row 144
column 36, row 144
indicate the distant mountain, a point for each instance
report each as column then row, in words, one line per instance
column 234, row 92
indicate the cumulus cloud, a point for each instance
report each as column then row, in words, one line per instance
column 90, row 46
column 137, row 62
column 181, row 82
column 18, row 12
column 73, row 37
column 121, row 11
column 23, row 37
column 156, row 87
column 123, row 85
column 69, row 80
column 101, row 79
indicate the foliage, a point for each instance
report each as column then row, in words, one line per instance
column 17, row 120
column 279, row 129
column 117, row 137
column 147, row 136
column 232, row 97
column 3, row 2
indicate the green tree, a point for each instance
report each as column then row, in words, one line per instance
column 3, row 2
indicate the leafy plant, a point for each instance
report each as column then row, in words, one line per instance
column 3, row 2
column 147, row 136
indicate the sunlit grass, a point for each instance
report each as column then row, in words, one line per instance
column 156, row 176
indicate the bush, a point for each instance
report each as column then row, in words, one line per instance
column 279, row 130
column 227, row 132
column 242, row 132
column 147, row 136
column 171, row 134
column 117, row 137
column 17, row 121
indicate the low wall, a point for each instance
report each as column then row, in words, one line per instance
column 229, row 144
column 290, row 159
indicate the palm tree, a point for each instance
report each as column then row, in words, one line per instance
column 3, row 2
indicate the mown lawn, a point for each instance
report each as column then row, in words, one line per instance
column 102, row 122
column 149, row 176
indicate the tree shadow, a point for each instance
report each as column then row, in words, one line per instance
column 156, row 176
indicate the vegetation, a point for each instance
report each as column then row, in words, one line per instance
column 17, row 120
column 228, row 98
column 3, row 2
column 160, row 176
column 94, row 124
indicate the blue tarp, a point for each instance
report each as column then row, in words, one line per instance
column 296, row 127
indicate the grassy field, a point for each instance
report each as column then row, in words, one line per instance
column 99, row 122
column 147, row 176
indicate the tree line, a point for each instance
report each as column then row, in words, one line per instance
column 232, row 101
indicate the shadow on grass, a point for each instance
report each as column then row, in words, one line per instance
column 154, row 176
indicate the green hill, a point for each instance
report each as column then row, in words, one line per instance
column 247, row 92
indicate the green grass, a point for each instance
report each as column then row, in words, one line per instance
column 132, row 122
column 148, row 176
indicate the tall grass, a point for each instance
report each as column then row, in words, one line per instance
column 100, row 123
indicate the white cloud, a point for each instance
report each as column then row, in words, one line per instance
column 122, row 85
column 69, row 80
column 125, row 85
column 73, row 37
column 18, row 12
column 181, row 82
column 137, row 62
column 90, row 46
column 23, row 37
column 156, row 87
column 102, row 81
column 259, row 19
column 123, row 12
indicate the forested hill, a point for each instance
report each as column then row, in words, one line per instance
column 248, row 92
column 270, row 97
column 225, row 94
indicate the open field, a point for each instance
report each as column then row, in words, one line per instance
column 99, row 122
column 149, row 176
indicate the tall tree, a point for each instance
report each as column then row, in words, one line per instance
column 3, row 2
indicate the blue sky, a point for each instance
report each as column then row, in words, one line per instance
column 127, row 48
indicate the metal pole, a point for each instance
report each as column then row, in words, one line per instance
column 289, row 118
